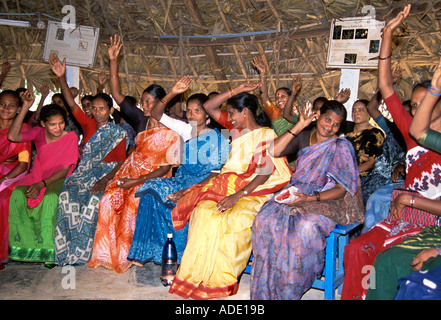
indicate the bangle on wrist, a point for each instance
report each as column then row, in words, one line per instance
column 412, row 200
column 163, row 101
column 438, row 250
column 231, row 92
column 432, row 89
column 291, row 133
column 44, row 183
column 379, row 58
column 317, row 196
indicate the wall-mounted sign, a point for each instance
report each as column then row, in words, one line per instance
column 354, row 43
column 77, row 45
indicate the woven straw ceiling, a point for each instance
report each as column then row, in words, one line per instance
column 291, row 36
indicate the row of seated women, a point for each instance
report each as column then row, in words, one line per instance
column 223, row 201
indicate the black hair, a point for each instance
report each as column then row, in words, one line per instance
column 12, row 93
column 334, row 106
column 288, row 90
column 363, row 101
column 424, row 84
column 250, row 101
column 156, row 91
column 105, row 97
column 87, row 97
column 50, row 110
column 319, row 99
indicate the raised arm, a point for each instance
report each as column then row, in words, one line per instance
column 422, row 118
column 213, row 105
column 180, row 87
column 59, row 69
column 385, row 80
column 44, row 90
column 296, row 88
column 258, row 64
column 281, row 142
column 6, row 67
column 114, row 49
column 14, row 134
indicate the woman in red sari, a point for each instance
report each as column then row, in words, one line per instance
column 34, row 201
column 14, row 160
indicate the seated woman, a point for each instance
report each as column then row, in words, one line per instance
column 222, row 211
column 157, row 151
column 14, row 163
column 290, row 230
column 205, row 149
column 422, row 170
column 367, row 141
column 34, row 201
column 419, row 252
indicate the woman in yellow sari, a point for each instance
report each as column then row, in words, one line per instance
column 222, row 211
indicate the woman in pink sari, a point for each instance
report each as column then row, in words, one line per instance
column 34, row 201
column 14, row 160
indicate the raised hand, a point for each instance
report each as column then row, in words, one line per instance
column 6, row 67
column 343, row 95
column 115, row 47
column 247, row 87
column 28, row 98
column 395, row 22
column 44, row 89
column 58, row 68
column 297, row 85
column 181, row 85
column 436, row 78
column 257, row 63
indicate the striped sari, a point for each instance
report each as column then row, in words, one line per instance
column 219, row 244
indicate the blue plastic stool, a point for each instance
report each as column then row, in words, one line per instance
column 333, row 271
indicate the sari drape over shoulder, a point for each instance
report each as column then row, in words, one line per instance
column 32, row 223
column 118, row 207
column 219, row 244
column 202, row 154
column 7, row 151
column 289, row 241
column 78, row 207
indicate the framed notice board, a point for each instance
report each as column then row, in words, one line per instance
column 77, row 45
column 354, row 43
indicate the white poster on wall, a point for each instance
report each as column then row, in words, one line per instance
column 354, row 43
column 77, row 45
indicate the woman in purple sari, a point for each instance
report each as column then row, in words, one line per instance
column 290, row 230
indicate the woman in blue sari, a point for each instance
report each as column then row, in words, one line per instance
column 205, row 150
column 290, row 230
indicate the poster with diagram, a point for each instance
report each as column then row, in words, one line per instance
column 77, row 45
column 354, row 43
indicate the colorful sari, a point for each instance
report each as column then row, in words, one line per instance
column 394, row 263
column 118, row 207
column 32, row 221
column 202, row 154
column 368, row 142
column 78, row 207
column 289, row 242
column 219, row 244
column 7, row 151
column 362, row 251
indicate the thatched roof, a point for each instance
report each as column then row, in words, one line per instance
column 291, row 36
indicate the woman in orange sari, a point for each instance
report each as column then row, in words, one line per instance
column 157, row 150
column 222, row 211
column 14, row 162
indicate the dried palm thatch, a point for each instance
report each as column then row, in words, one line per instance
column 215, row 40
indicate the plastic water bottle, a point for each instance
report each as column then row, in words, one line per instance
column 169, row 261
